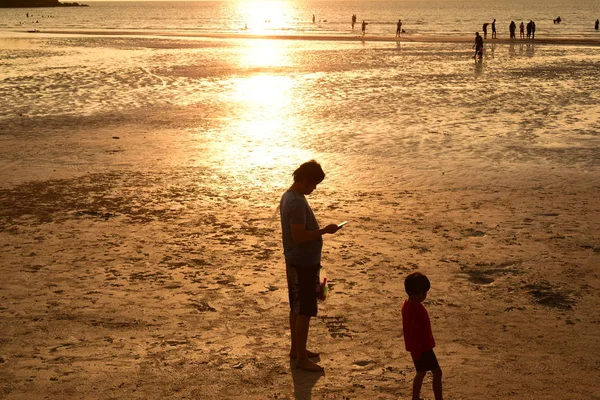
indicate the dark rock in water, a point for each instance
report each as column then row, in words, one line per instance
column 37, row 3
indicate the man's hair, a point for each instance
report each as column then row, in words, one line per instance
column 311, row 171
column 416, row 283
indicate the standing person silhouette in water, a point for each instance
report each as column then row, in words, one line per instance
column 522, row 30
column 398, row 28
column 513, row 29
column 364, row 27
column 478, row 46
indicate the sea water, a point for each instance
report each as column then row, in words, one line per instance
column 426, row 17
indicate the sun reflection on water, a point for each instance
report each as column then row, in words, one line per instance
column 262, row 16
column 260, row 91
column 263, row 135
column 265, row 53
column 265, row 129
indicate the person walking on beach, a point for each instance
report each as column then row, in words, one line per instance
column 485, row 25
column 478, row 46
column 597, row 25
column 313, row 18
column 494, row 29
column 532, row 30
column 522, row 30
column 418, row 337
column 398, row 28
column 529, row 29
column 364, row 27
column 513, row 30
column 353, row 20
column 302, row 243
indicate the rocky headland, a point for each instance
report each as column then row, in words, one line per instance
column 37, row 3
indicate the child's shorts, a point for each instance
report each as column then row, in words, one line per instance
column 427, row 362
column 303, row 283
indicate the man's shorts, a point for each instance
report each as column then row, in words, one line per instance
column 303, row 284
column 427, row 362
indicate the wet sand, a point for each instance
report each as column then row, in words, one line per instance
column 355, row 36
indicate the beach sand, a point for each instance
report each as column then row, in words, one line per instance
column 138, row 274
column 139, row 262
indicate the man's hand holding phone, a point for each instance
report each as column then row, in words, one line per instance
column 333, row 228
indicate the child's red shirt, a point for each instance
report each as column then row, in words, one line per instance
column 417, row 328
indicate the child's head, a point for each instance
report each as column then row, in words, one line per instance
column 417, row 284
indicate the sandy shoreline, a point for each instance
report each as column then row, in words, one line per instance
column 324, row 37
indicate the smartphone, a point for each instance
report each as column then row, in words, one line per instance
column 342, row 224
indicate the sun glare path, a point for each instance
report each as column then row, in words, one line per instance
column 262, row 16
column 265, row 53
column 265, row 133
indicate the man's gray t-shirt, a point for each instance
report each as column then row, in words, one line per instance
column 294, row 209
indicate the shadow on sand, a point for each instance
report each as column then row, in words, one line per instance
column 304, row 381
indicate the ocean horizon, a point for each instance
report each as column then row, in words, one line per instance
column 428, row 17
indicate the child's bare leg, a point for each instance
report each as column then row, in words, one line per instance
column 417, row 383
column 437, row 384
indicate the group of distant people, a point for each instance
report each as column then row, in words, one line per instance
column 530, row 28
column 364, row 24
column 37, row 21
column 512, row 27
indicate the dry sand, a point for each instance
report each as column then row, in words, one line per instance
column 133, row 268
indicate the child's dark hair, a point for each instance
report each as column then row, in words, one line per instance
column 416, row 283
column 310, row 170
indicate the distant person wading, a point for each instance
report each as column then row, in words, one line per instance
column 513, row 30
column 522, row 30
column 478, row 46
